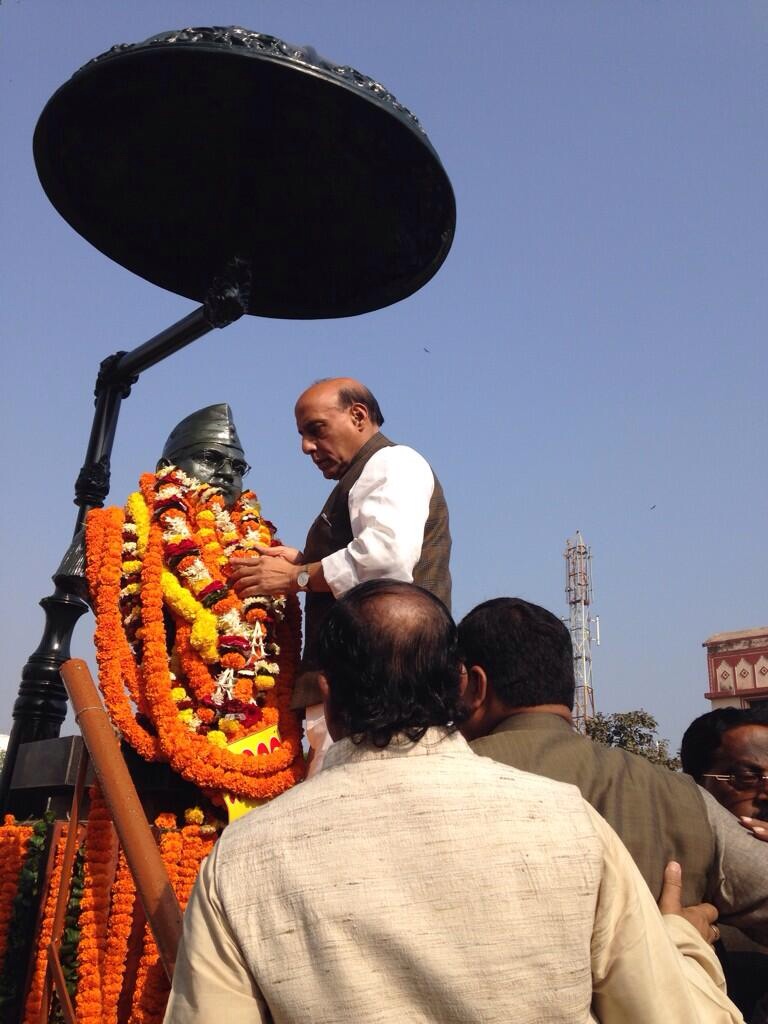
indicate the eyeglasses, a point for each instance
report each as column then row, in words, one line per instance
column 744, row 779
column 217, row 461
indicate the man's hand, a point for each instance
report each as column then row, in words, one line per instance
column 758, row 828
column 269, row 573
column 292, row 555
column 702, row 916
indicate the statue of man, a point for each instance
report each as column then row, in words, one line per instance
column 206, row 446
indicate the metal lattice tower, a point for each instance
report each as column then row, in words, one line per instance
column 578, row 591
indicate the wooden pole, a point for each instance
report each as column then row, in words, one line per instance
column 141, row 852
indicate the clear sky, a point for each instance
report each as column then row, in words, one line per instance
column 597, row 336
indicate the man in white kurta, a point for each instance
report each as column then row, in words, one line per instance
column 422, row 883
column 386, row 518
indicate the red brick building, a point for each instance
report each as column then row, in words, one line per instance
column 737, row 664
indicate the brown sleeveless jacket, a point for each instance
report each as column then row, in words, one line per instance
column 332, row 531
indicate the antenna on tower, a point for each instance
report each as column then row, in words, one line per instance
column 578, row 591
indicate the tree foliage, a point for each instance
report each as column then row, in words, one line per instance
column 634, row 731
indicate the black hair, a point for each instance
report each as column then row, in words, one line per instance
column 389, row 651
column 525, row 650
column 704, row 736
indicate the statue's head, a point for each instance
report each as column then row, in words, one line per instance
column 205, row 445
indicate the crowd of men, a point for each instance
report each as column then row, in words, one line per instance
column 463, row 854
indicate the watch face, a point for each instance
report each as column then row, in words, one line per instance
column 303, row 579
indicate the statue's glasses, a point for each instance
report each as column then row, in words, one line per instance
column 743, row 779
column 217, row 461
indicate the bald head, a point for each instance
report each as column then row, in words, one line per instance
column 388, row 651
column 335, row 418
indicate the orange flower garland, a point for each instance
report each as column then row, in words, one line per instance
column 100, row 849
column 152, row 986
column 35, row 994
column 197, row 842
column 170, row 554
column 103, row 544
column 106, row 919
column 118, row 934
column 13, row 849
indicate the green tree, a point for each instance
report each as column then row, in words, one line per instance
column 635, row 731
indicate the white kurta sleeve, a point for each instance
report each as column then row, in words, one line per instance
column 388, row 509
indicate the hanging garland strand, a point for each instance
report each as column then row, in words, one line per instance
column 23, row 918
column 100, row 843
column 35, row 995
column 13, row 846
column 116, row 953
column 152, row 985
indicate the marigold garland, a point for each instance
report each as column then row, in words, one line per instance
column 13, row 848
column 231, row 671
column 100, row 851
column 103, row 917
column 152, row 986
column 116, row 952
column 24, row 916
column 35, row 994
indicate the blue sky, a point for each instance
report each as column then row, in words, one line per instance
column 596, row 337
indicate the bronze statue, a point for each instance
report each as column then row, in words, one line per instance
column 206, row 446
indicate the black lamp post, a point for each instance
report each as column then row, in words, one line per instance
column 241, row 172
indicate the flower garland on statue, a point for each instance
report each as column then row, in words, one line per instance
column 230, row 668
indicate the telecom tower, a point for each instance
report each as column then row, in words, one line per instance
column 578, row 591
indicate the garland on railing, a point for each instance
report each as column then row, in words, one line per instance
column 35, row 994
column 230, row 669
column 98, row 939
column 116, row 953
column 100, row 854
column 70, row 938
column 13, row 847
column 19, row 934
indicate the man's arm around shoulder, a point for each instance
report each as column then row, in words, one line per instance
column 644, row 969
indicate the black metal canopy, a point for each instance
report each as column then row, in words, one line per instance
column 178, row 154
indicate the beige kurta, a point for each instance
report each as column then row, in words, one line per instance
column 422, row 883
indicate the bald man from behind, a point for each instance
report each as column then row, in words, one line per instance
column 386, row 518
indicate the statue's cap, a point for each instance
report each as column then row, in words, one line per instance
column 211, row 425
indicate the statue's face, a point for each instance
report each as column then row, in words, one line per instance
column 217, row 464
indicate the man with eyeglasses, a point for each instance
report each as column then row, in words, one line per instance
column 206, row 446
column 726, row 752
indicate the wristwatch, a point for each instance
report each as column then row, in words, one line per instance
column 302, row 580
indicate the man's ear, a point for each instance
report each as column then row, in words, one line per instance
column 359, row 413
column 473, row 687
